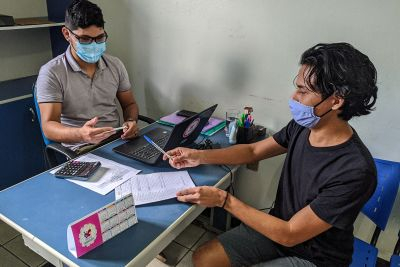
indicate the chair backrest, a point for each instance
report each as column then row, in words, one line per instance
column 379, row 206
column 45, row 139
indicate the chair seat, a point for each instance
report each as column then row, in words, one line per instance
column 395, row 261
column 364, row 255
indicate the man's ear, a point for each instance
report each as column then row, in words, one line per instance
column 338, row 102
column 65, row 33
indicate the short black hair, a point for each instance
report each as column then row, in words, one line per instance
column 340, row 69
column 83, row 14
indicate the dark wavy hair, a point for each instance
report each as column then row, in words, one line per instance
column 342, row 70
column 82, row 14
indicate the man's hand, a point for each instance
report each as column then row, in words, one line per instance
column 93, row 135
column 130, row 131
column 183, row 157
column 206, row 196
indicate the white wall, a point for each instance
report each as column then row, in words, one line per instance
column 22, row 52
column 191, row 54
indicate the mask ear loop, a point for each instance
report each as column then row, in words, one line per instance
column 70, row 40
column 325, row 113
column 334, row 87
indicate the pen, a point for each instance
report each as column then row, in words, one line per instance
column 156, row 146
column 115, row 129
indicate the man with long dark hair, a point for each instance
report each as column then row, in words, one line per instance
column 327, row 177
column 77, row 91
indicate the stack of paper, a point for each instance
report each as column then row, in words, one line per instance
column 107, row 177
column 148, row 188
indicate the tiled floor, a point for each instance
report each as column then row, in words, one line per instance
column 14, row 253
column 179, row 252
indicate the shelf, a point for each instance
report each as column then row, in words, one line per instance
column 31, row 23
column 16, row 89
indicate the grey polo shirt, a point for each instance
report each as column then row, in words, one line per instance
column 61, row 80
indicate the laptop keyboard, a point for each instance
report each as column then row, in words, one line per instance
column 148, row 151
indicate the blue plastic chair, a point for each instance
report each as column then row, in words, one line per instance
column 378, row 209
column 395, row 261
column 55, row 153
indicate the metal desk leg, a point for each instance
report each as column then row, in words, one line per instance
column 43, row 253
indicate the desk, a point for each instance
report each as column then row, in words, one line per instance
column 42, row 207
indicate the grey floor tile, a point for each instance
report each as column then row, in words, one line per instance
column 9, row 260
column 207, row 236
column 186, row 261
column 6, row 233
column 46, row 264
column 156, row 263
column 174, row 252
column 190, row 235
column 18, row 248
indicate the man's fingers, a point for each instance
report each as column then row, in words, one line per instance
column 130, row 131
column 173, row 153
column 194, row 198
column 92, row 122
column 187, row 191
column 179, row 165
column 102, row 130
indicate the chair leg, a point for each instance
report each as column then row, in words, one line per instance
column 397, row 248
column 51, row 158
column 375, row 236
column 47, row 161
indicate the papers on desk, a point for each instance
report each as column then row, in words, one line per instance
column 148, row 188
column 110, row 175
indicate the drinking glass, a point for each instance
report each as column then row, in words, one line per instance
column 231, row 115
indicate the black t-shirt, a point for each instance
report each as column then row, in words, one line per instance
column 335, row 181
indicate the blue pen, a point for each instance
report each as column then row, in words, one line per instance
column 156, row 146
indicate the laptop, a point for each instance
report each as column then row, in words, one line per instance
column 182, row 134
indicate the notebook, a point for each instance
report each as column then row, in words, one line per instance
column 182, row 134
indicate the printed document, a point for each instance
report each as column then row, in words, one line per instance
column 148, row 188
column 110, row 174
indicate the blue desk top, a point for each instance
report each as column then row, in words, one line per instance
column 44, row 206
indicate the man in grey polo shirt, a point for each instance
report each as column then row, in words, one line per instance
column 77, row 91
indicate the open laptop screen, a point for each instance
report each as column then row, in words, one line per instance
column 186, row 132
column 183, row 134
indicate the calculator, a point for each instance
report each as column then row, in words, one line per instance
column 78, row 170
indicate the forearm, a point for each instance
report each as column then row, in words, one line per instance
column 131, row 112
column 272, row 227
column 58, row 132
column 238, row 154
column 241, row 154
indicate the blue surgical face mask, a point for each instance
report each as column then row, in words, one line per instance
column 90, row 53
column 304, row 115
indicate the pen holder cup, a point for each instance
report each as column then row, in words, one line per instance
column 245, row 135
